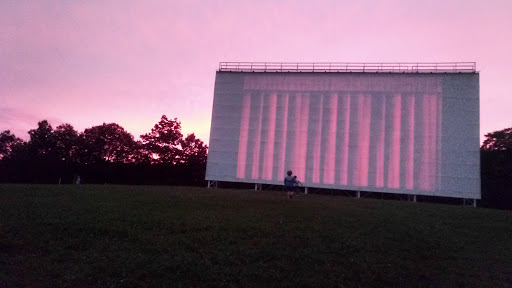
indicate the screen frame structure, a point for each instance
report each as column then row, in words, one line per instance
column 457, row 144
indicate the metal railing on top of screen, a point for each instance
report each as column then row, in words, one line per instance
column 403, row 67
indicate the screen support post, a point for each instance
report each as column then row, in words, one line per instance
column 212, row 184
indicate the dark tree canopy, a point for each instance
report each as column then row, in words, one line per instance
column 105, row 153
column 66, row 142
column 41, row 139
column 162, row 143
column 499, row 140
column 7, row 142
column 496, row 169
column 193, row 150
column 140, row 154
column 107, row 142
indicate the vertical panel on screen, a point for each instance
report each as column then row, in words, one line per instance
column 409, row 142
column 317, row 116
column 394, row 146
column 379, row 136
column 345, row 137
column 400, row 133
column 268, row 158
column 283, row 120
column 244, row 136
column 330, row 136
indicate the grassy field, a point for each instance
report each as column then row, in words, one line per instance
column 140, row 236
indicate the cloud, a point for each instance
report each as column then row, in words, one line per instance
column 19, row 122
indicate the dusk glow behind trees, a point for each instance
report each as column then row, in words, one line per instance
column 107, row 152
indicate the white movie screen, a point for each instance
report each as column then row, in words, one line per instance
column 400, row 133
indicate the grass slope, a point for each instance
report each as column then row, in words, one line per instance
column 139, row 236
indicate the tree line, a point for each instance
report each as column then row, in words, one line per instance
column 496, row 169
column 105, row 153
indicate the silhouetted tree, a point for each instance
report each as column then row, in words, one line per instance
column 106, row 143
column 66, row 141
column 498, row 140
column 496, row 169
column 41, row 139
column 163, row 141
column 104, row 154
column 7, row 142
column 192, row 162
column 36, row 160
column 194, row 151
column 140, row 154
column 13, row 165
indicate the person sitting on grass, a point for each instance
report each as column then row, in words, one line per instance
column 289, row 184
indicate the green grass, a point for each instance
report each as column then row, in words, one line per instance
column 140, row 236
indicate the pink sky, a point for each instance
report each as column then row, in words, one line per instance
column 130, row 62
